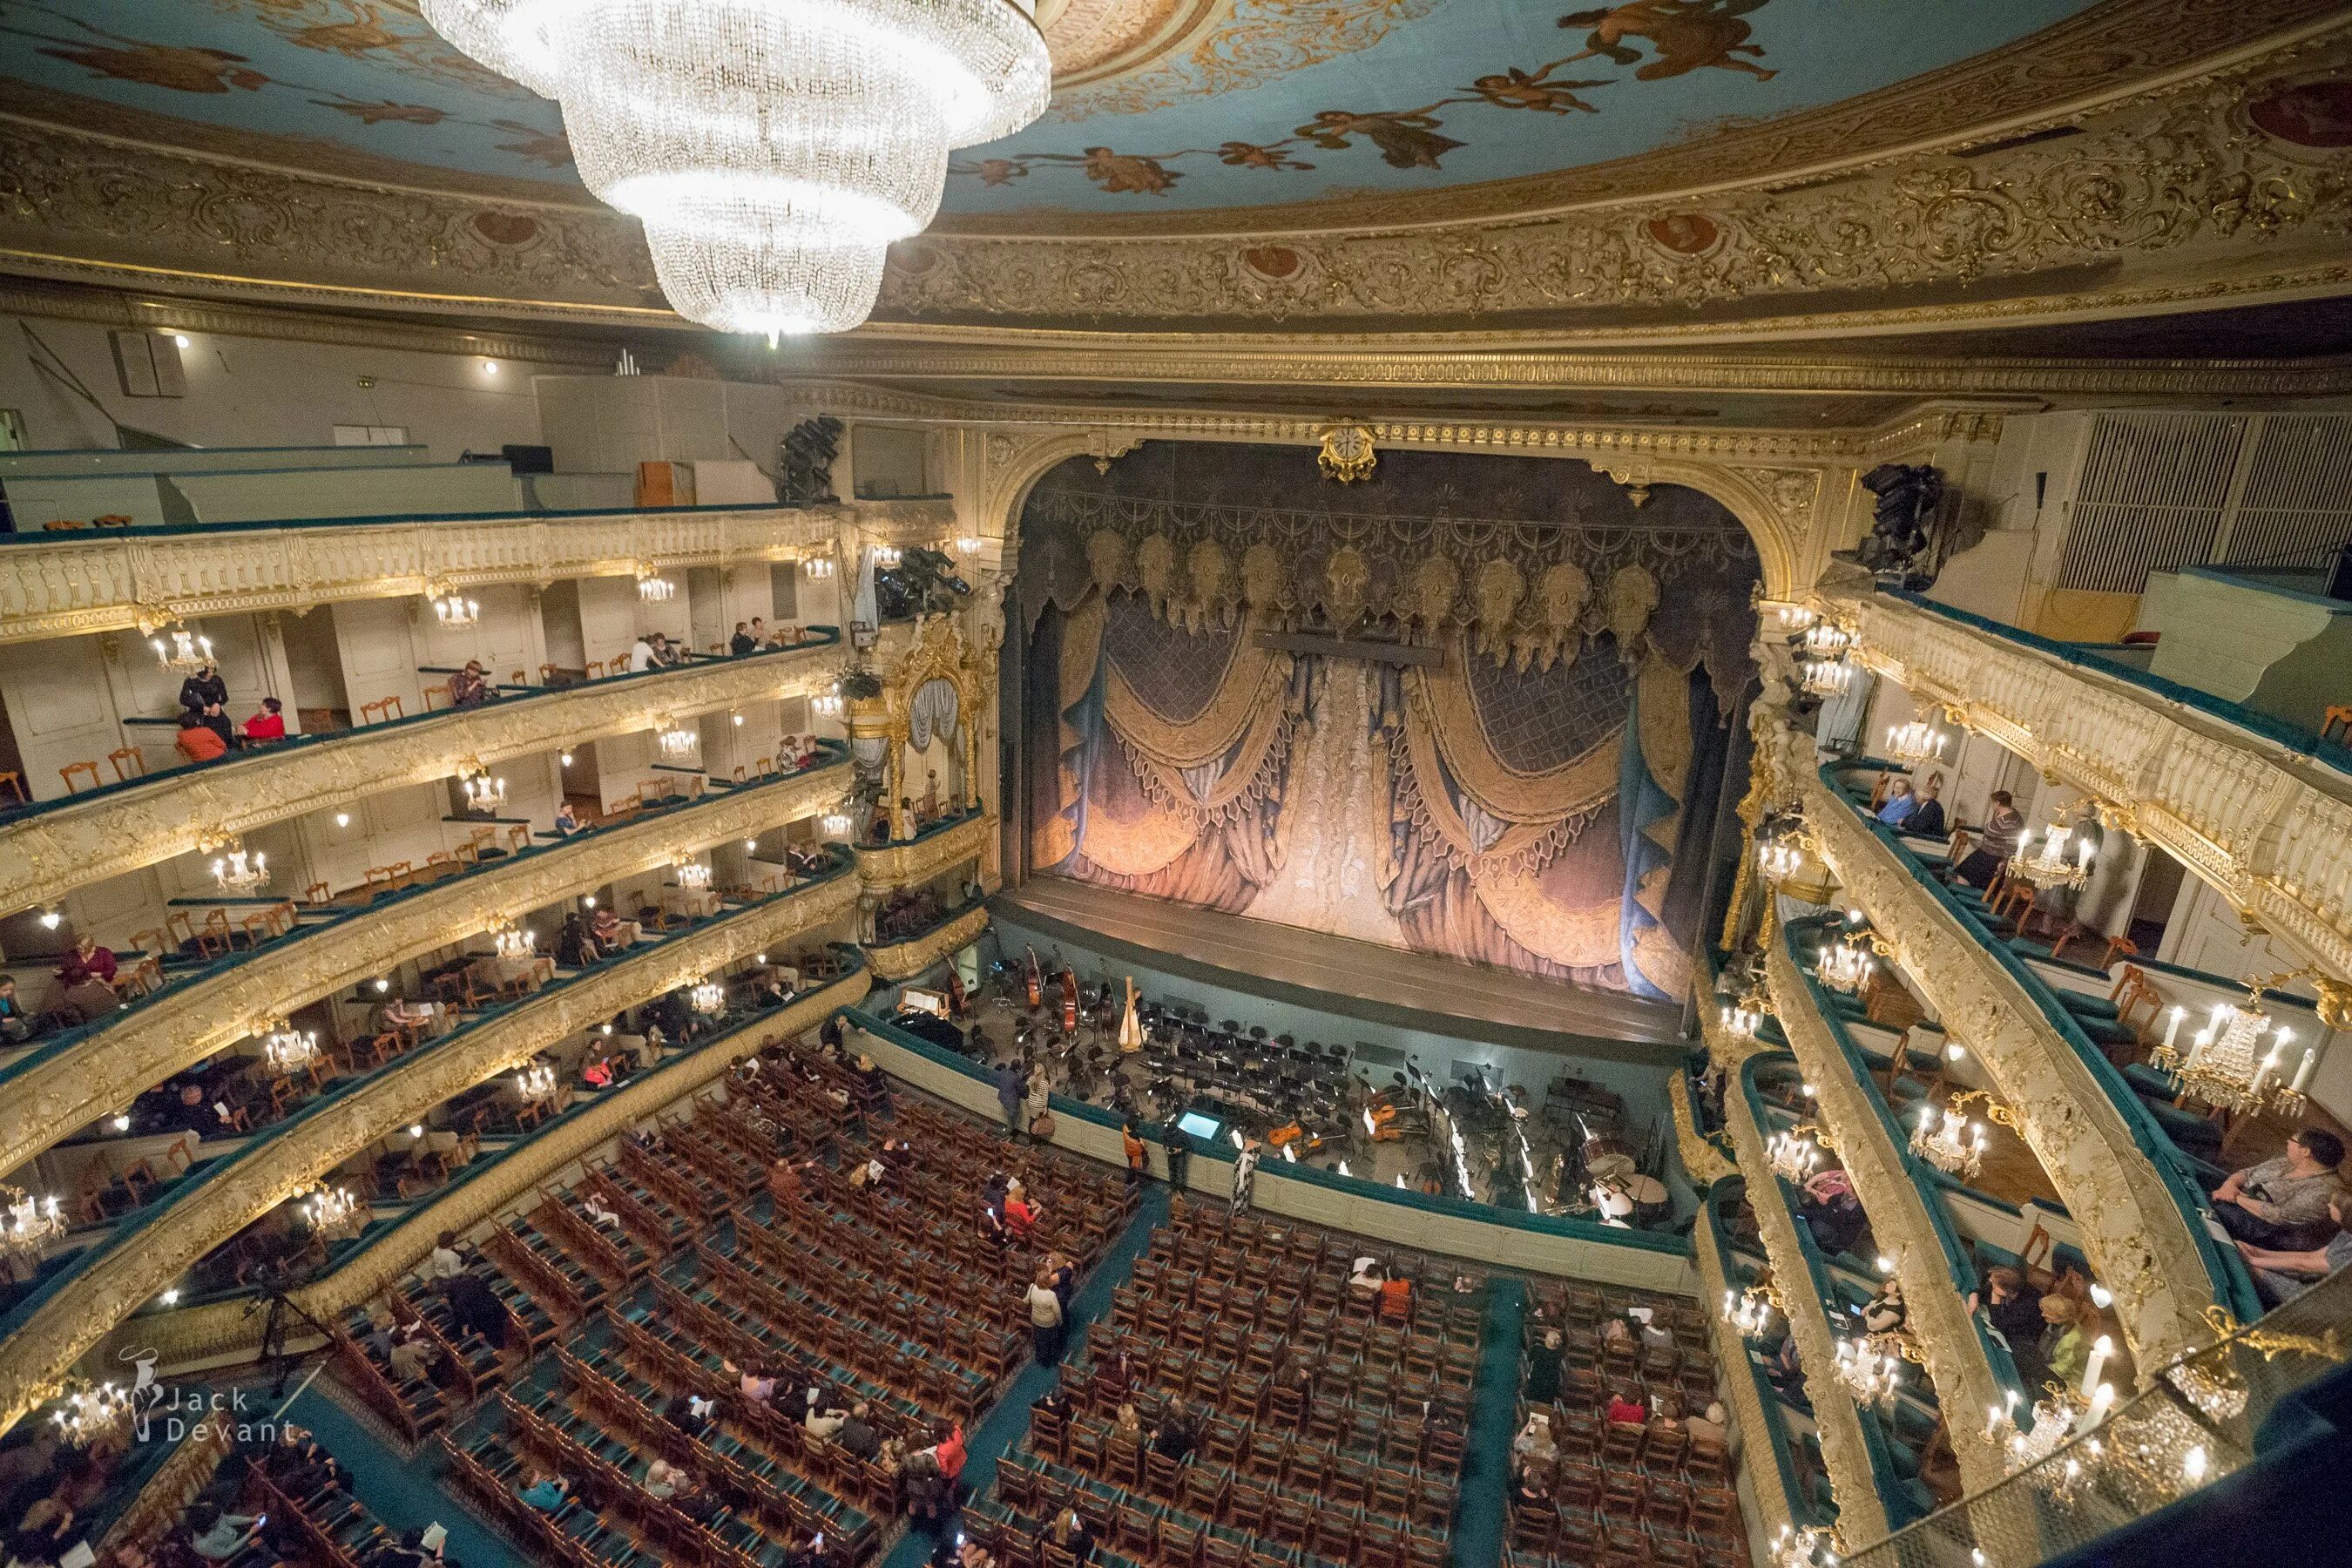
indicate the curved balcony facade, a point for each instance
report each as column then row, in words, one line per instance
column 74, row 1079
column 50, row 848
column 51, row 1329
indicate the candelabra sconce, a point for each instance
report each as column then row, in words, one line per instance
column 1806, row 1548
column 675, row 741
column 1827, row 640
column 182, row 651
column 288, row 1049
column 1845, row 964
column 1825, row 677
column 535, row 1084
column 2227, row 1065
column 829, row 704
column 707, row 996
column 2063, row 861
column 1780, row 853
column 1742, row 1018
column 968, row 545
column 1795, row 617
column 88, row 1415
column 513, row 942
column 887, row 555
column 239, row 873
column 818, row 568
column 836, row 824
column 693, row 875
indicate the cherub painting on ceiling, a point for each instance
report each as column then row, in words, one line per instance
column 1661, row 37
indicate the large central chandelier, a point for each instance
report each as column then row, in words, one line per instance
column 771, row 151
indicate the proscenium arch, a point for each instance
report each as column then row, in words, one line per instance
column 1780, row 541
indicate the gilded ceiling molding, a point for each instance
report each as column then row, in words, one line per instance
column 1757, row 1454
column 79, row 581
column 76, row 842
column 2264, row 826
column 905, row 960
column 1938, row 1315
column 1845, row 1453
column 284, row 1163
column 905, row 865
column 2135, row 1235
column 52, row 1096
column 2173, row 199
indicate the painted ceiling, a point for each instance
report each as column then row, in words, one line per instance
column 1163, row 107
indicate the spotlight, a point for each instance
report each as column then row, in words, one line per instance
column 49, row 918
column 179, row 340
column 342, row 819
column 382, row 986
column 123, row 1124
column 490, row 367
column 565, row 759
column 416, row 1130
column 172, row 1297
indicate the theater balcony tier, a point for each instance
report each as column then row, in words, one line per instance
column 2242, row 800
column 51, row 1329
column 935, row 849
column 1771, row 1468
column 52, row 847
column 59, row 585
column 1970, row 1371
column 2113, row 1170
column 230, row 1328
column 910, row 956
column 73, row 1080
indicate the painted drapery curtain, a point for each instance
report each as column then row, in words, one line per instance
column 1518, row 793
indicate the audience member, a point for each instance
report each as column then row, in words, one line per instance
column 267, row 725
column 567, row 821
column 1886, row 1312
column 1543, row 1369
column 662, row 1480
column 1626, row 1408
column 443, row 1264
column 470, row 686
column 17, row 1025
column 642, row 657
column 1900, row 803
column 218, row 1536
column 1069, row 1532
column 1996, row 842
column 1174, row 1437
column 198, row 741
column 742, row 642
column 1714, row 1424
column 2281, row 1272
column 1045, row 1322
column 479, row 1310
column 1926, row 818
column 2013, row 1307
column 545, row 1492
column 2065, row 1347
column 1021, row 1214
column 205, row 688
column 2282, row 1204
column 858, row 1435
column 1128, row 1424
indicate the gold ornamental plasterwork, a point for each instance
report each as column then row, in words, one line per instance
column 1703, row 1162
column 226, row 1331
column 905, row 960
column 1251, row 42
column 2138, row 1240
column 904, row 865
column 2174, row 195
column 74, row 842
column 138, row 1048
column 2263, row 826
column 281, row 1164
column 85, row 581
column 1899, row 1222
column 1845, row 1453
column 1756, row 1429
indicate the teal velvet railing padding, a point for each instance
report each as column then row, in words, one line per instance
column 1767, row 1396
column 2293, row 737
column 453, row 520
column 1355, row 1186
column 827, row 636
column 143, row 1221
column 927, row 927
column 315, row 918
column 1960, row 1261
column 2226, row 1273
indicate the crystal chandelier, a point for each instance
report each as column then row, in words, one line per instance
column 1844, row 965
column 693, row 875
column 86, row 1416
column 968, row 545
column 1750, row 1311
column 828, row 704
column 1825, row 677
column 1806, row 1548
column 1795, row 617
column 818, row 568
column 656, row 590
column 835, row 822
column 771, row 151
column 239, row 872
column 1870, row 1372
column 1793, row 1155
column 535, row 1084
column 288, row 1049
column 182, row 650
column 328, row 1208
column 2227, row 1066
column 887, row 555
column 512, row 942
column 453, row 610
column 1742, row 1018
column 1949, row 1141
column 483, row 793
column 707, row 996
column 1914, row 744
column 2053, row 867
column 32, row 1223
column 675, row 741
column 1779, row 854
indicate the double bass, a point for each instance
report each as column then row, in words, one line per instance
column 1033, row 979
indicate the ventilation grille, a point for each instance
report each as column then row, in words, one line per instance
column 2152, row 495
column 2296, row 507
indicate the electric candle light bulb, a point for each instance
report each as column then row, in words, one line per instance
column 2172, row 1024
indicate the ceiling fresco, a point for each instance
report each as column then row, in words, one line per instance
column 1165, row 106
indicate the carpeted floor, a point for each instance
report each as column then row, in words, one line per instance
column 1001, row 1430
column 404, row 1494
column 1481, row 1512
